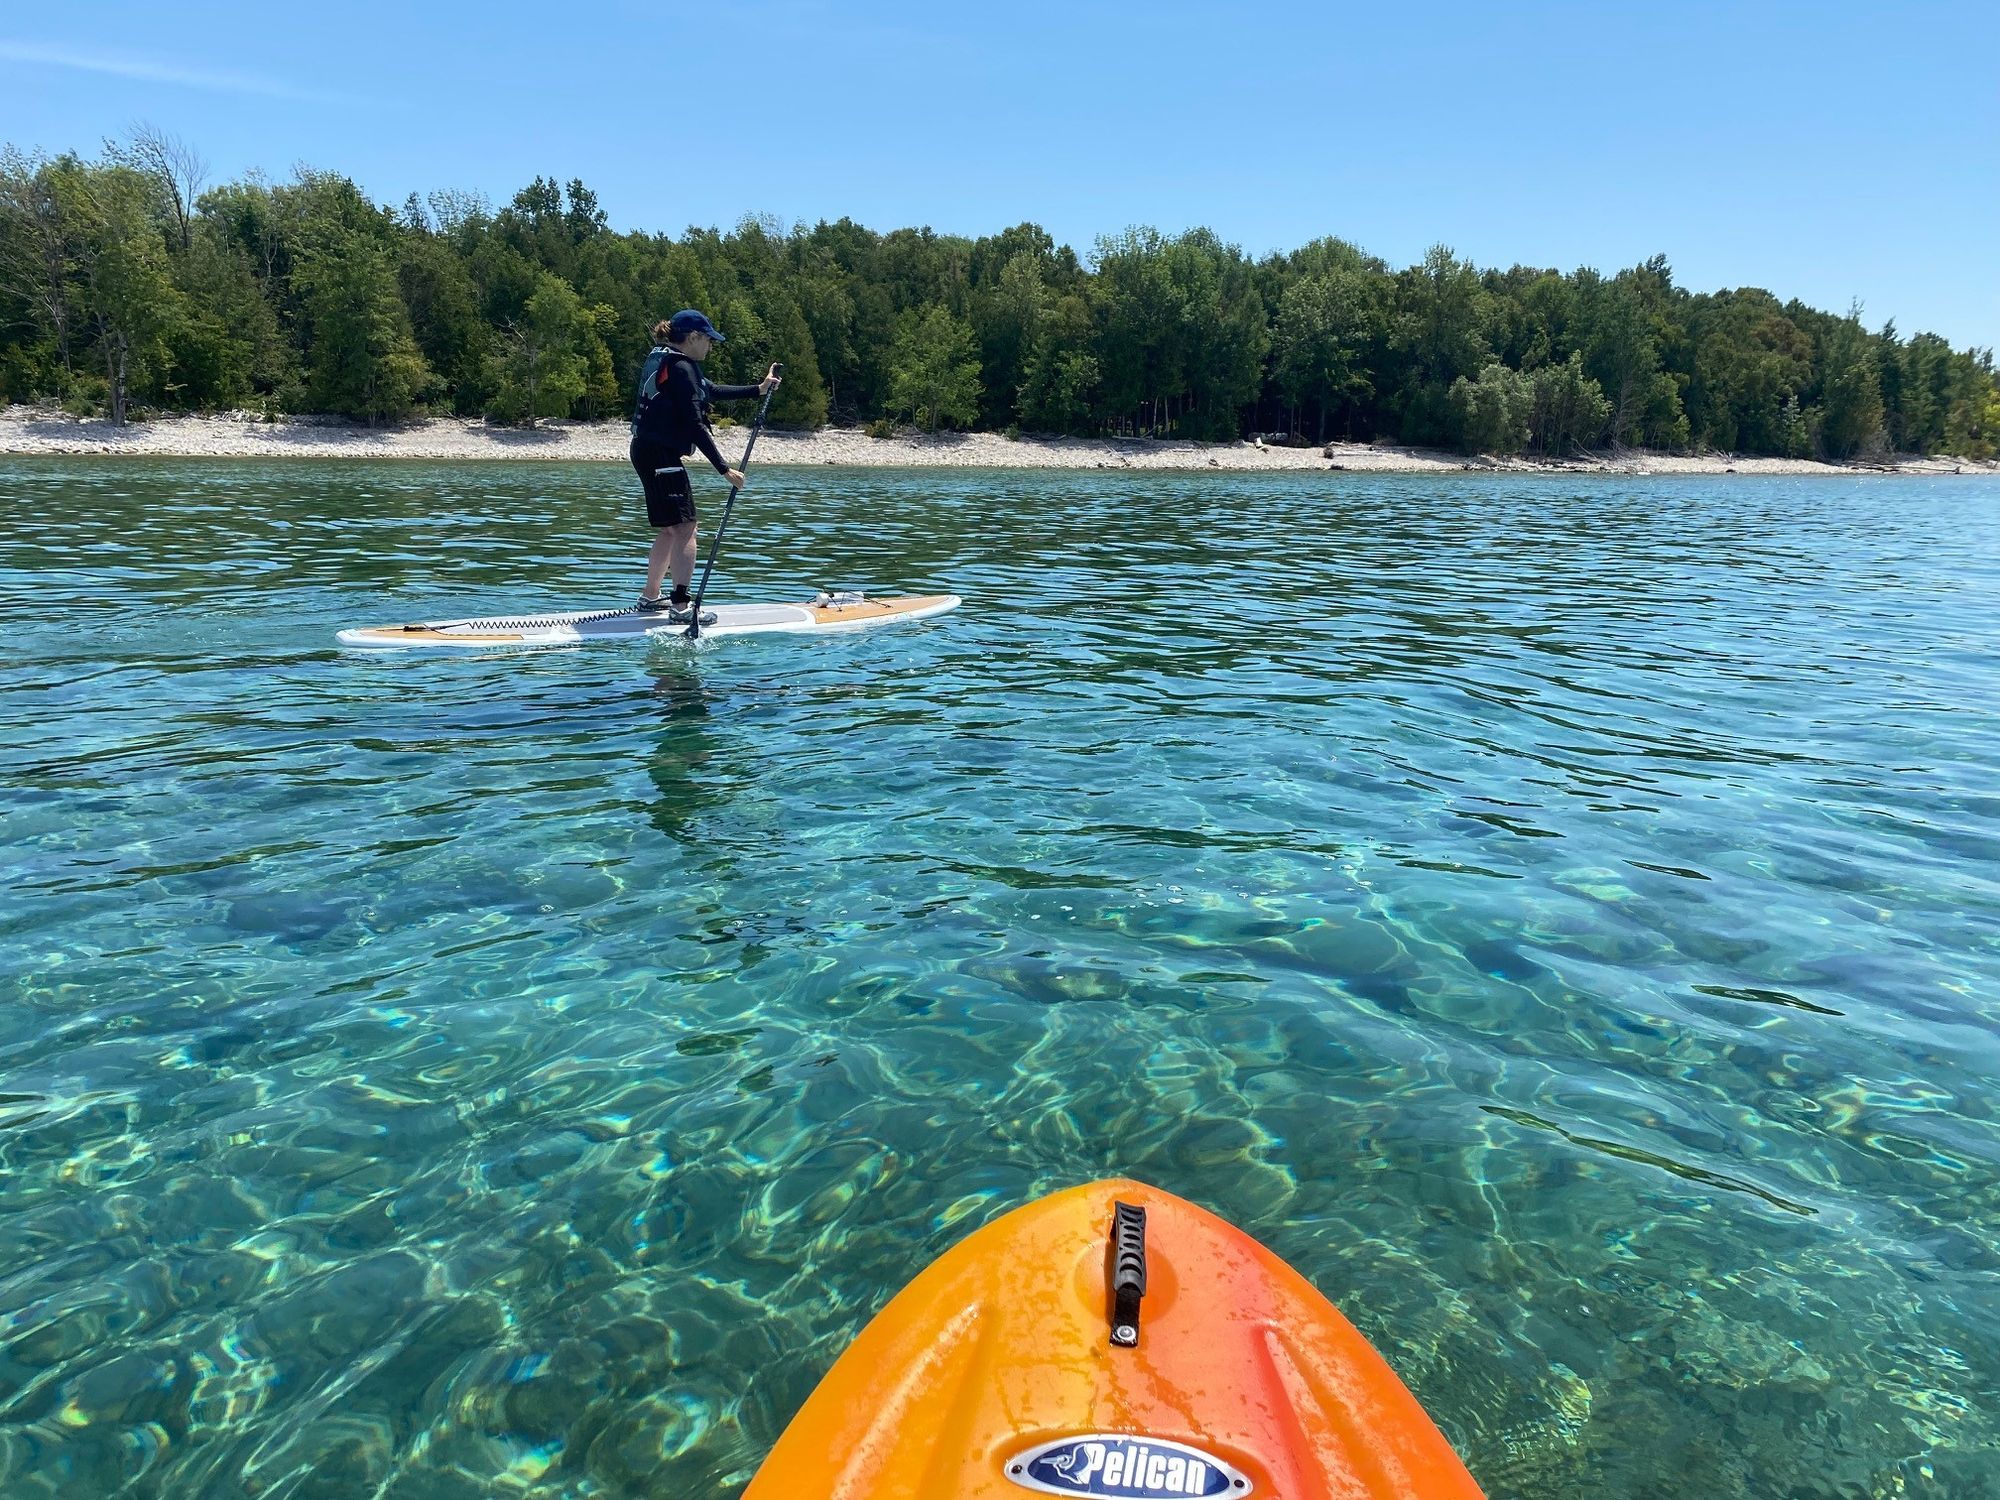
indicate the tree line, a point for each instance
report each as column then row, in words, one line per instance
column 128, row 282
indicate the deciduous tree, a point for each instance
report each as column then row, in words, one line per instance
column 934, row 371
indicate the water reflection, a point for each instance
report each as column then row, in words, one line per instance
column 681, row 761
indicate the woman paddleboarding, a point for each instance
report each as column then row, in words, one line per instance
column 669, row 422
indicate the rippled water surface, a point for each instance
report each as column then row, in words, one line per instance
column 1560, row 915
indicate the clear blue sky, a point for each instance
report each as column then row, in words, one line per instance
column 1830, row 151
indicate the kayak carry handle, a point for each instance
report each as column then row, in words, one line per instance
column 1128, row 1272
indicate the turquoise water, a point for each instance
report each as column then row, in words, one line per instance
column 1557, row 914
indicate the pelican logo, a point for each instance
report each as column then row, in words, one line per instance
column 1128, row 1468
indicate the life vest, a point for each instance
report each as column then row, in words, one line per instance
column 650, row 385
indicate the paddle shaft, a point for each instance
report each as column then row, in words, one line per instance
column 693, row 632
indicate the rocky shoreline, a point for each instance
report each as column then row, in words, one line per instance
column 35, row 431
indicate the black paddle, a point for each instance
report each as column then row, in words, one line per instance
column 693, row 632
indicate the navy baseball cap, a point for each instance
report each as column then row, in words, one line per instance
column 688, row 321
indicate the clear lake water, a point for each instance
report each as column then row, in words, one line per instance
column 1559, row 914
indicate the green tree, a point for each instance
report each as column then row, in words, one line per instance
column 1494, row 411
column 1850, row 405
column 801, row 400
column 1569, row 409
column 851, row 313
column 826, row 304
column 445, row 318
column 246, row 215
column 1141, row 354
column 1222, row 340
column 603, row 393
column 934, row 370
column 544, row 367
column 227, row 349
column 1439, row 330
column 749, row 274
column 1326, row 332
column 548, row 233
column 1004, row 317
column 1917, row 389
column 125, row 292
column 1972, row 421
column 38, row 253
column 1534, row 318
column 1624, row 328
column 1060, row 378
column 362, row 360
column 1749, row 359
column 923, row 269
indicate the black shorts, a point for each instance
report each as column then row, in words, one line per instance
column 669, row 496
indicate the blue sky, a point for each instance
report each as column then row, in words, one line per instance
column 1831, row 151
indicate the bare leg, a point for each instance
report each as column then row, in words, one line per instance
column 673, row 548
column 683, row 559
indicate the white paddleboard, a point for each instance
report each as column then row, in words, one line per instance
column 827, row 613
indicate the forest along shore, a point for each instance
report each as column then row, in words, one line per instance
column 28, row 430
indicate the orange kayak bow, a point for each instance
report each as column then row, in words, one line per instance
column 1111, row 1341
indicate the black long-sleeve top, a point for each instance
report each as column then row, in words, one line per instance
column 673, row 406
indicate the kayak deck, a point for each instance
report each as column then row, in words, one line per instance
column 1002, row 1370
column 568, row 629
